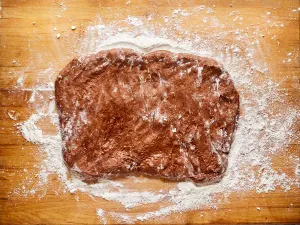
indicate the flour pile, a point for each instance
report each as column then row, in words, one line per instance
column 265, row 127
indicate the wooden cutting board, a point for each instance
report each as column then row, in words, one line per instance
column 28, row 45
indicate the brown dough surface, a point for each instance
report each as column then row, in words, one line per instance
column 162, row 114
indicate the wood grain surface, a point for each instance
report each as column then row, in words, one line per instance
column 28, row 45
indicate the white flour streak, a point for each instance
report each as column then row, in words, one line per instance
column 101, row 214
column 134, row 21
column 20, row 81
column 120, row 217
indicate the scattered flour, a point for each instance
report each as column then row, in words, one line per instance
column 20, row 81
column 265, row 128
column 13, row 114
column 101, row 214
column 134, row 21
column 122, row 218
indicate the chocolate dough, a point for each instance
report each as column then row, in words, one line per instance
column 162, row 114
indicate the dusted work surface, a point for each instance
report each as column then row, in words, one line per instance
column 37, row 40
